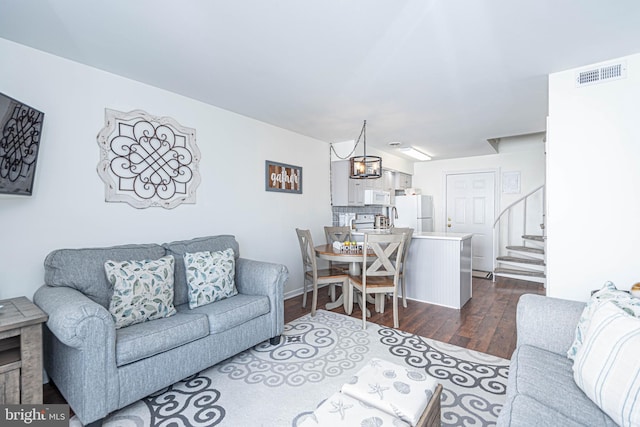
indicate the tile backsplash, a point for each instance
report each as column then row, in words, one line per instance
column 373, row 210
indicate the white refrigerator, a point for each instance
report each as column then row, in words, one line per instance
column 415, row 211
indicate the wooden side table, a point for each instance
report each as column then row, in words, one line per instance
column 20, row 351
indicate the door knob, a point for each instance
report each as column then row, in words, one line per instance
column 449, row 225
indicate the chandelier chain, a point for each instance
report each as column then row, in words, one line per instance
column 362, row 132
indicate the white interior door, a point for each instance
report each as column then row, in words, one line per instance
column 471, row 209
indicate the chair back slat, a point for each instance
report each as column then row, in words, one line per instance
column 337, row 234
column 388, row 251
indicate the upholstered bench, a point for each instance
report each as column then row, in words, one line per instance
column 382, row 393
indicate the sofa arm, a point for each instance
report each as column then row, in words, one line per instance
column 74, row 319
column 264, row 278
column 547, row 323
column 79, row 343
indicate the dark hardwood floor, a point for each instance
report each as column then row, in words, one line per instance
column 487, row 323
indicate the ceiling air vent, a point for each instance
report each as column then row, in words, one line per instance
column 601, row 74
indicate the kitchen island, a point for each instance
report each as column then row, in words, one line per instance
column 438, row 268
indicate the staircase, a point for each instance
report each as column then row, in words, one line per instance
column 518, row 254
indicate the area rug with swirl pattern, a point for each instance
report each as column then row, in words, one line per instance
column 281, row 385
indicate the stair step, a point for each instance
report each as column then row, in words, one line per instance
column 519, row 272
column 526, row 249
column 521, row 260
column 533, row 237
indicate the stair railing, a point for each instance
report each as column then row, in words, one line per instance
column 507, row 215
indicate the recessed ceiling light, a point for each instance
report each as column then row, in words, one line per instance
column 412, row 152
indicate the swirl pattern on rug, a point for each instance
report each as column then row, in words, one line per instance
column 467, row 409
column 281, row 385
column 417, row 352
column 312, row 348
column 190, row 402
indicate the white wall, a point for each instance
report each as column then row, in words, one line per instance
column 67, row 208
column 593, row 177
column 524, row 154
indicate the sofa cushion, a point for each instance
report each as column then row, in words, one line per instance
column 525, row 411
column 231, row 312
column 548, row 378
column 83, row 269
column 606, row 366
column 147, row 339
column 142, row 290
column 179, row 248
column 211, row 276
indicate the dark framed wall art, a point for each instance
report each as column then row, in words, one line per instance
column 21, row 128
column 282, row 177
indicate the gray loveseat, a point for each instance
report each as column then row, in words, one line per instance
column 99, row 369
column 541, row 390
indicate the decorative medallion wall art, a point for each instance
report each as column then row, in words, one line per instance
column 21, row 127
column 147, row 160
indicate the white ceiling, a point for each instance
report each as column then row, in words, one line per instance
column 442, row 76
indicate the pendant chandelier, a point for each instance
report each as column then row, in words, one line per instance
column 365, row 167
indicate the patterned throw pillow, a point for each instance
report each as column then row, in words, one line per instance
column 606, row 365
column 609, row 292
column 210, row 275
column 142, row 290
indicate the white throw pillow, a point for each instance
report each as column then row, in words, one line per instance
column 608, row 292
column 210, row 275
column 606, row 365
column 142, row 290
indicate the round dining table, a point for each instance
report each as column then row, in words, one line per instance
column 353, row 257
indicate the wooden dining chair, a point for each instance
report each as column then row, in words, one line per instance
column 381, row 276
column 313, row 275
column 337, row 234
column 408, row 232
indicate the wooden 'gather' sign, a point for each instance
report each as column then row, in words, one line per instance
column 282, row 177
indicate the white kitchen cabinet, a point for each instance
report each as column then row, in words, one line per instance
column 356, row 192
column 344, row 190
column 373, row 184
column 389, row 183
column 403, row 180
column 388, row 180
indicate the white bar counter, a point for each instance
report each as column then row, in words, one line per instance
column 438, row 268
column 442, row 236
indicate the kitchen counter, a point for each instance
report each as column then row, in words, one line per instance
column 423, row 235
column 438, row 269
column 361, row 232
column 442, row 236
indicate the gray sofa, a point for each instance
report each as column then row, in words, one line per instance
column 99, row 369
column 541, row 390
